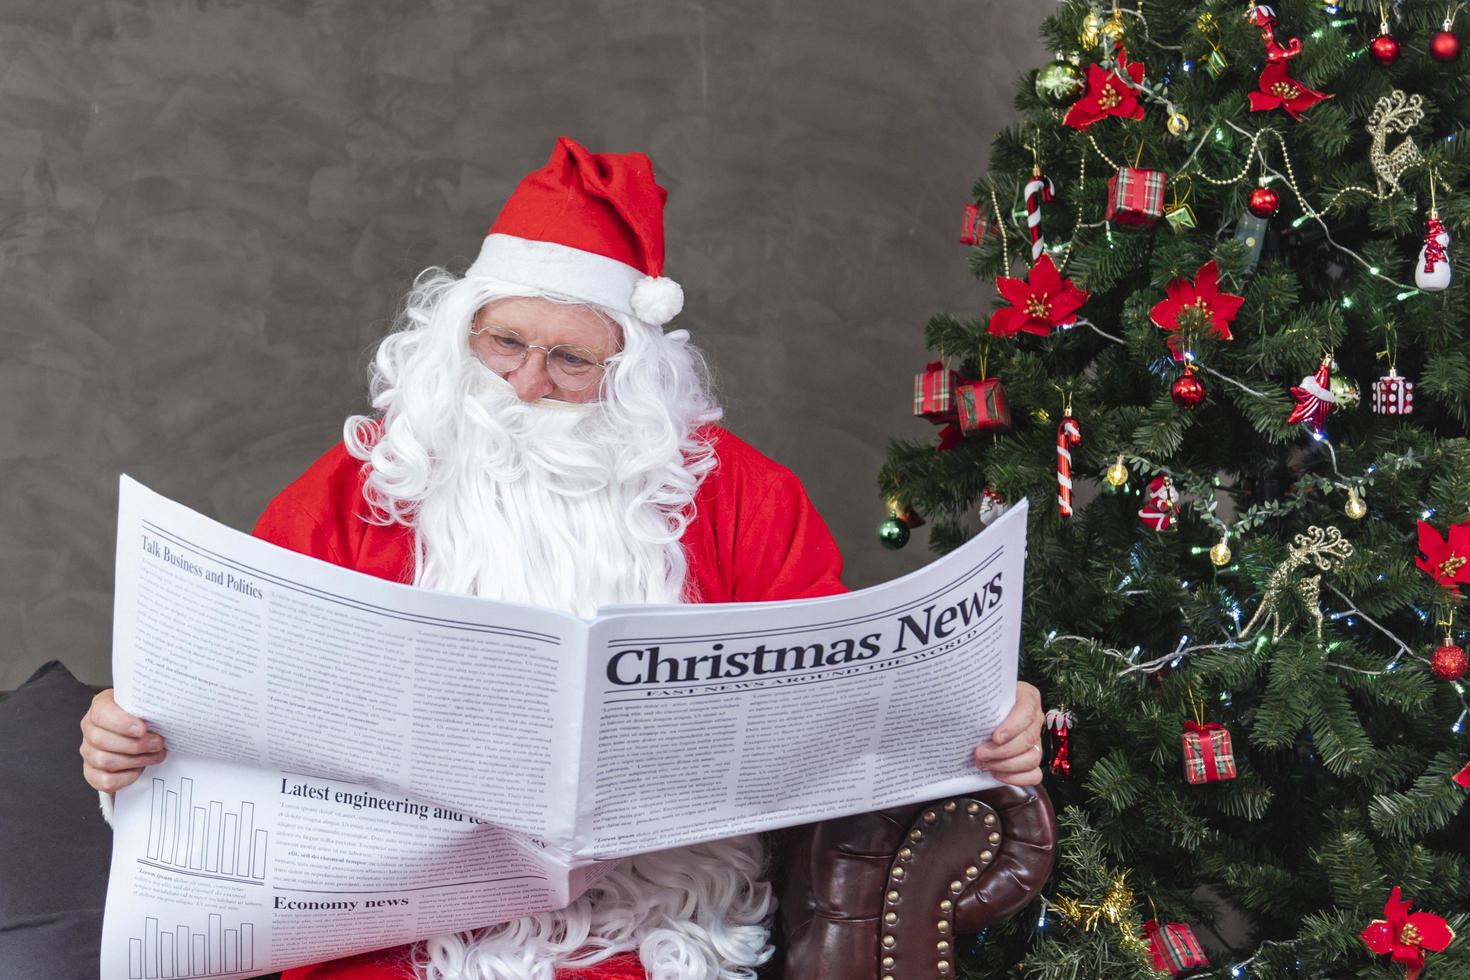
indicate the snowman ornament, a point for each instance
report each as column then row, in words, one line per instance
column 1432, row 271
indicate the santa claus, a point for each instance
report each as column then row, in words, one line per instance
column 537, row 437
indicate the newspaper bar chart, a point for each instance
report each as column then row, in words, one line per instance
column 201, row 837
column 179, row 953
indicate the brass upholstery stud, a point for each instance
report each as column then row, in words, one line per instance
column 944, row 925
column 887, row 977
column 888, row 942
column 930, row 816
column 950, row 806
column 916, row 834
column 942, row 945
column 897, row 872
column 973, row 808
column 946, row 906
column 943, row 966
column 906, row 853
column 893, row 895
column 972, row 872
column 887, row 962
column 986, row 855
column 995, row 837
column 990, row 820
column 890, row 917
column 956, row 887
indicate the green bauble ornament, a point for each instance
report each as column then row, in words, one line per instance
column 893, row 533
column 1345, row 390
column 1059, row 83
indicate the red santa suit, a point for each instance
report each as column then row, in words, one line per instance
column 754, row 536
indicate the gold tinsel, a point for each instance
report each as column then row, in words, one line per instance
column 1116, row 908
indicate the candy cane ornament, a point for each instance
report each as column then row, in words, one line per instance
column 1038, row 189
column 1069, row 436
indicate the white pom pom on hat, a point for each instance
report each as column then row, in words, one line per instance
column 657, row 300
column 589, row 226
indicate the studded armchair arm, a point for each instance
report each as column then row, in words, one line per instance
column 882, row 895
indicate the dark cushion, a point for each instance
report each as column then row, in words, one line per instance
column 54, row 844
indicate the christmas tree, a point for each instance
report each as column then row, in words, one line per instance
column 1215, row 256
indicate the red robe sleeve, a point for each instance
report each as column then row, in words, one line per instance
column 753, row 534
column 321, row 514
column 783, row 549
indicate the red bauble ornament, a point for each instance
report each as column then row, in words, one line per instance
column 1384, row 49
column 1448, row 662
column 1444, row 46
column 1263, row 202
column 1188, row 391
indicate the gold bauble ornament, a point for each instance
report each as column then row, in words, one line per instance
column 1117, row 474
column 1356, row 507
column 1178, row 124
column 1220, row 553
column 1114, row 27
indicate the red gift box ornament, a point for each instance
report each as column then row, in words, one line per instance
column 934, row 391
column 1207, row 754
column 983, row 406
column 1393, row 394
column 1173, row 947
column 976, row 225
column 1135, row 196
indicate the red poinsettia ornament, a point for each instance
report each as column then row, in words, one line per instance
column 1108, row 94
column 1462, row 778
column 1194, row 306
column 1407, row 934
column 1447, row 559
column 1279, row 89
column 1039, row 303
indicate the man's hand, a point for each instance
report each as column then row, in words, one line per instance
column 115, row 745
column 1013, row 754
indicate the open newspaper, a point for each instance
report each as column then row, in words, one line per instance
column 355, row 763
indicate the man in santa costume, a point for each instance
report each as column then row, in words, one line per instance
column 537, row 437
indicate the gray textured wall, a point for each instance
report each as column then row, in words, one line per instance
column 209, row 210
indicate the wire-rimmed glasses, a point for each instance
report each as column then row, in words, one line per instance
column 571, row 368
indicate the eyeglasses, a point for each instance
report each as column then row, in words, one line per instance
column 570, row 367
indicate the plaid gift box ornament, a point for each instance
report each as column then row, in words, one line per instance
column 1173, row 947
column 934, row 393
column 983, row 406
column 1207, row 754
column 1393, row 394
column 1136, row 197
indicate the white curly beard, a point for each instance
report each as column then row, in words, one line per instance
column 531, row 510
column 691, row 913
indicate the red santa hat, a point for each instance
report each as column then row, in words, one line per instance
column 589, row 226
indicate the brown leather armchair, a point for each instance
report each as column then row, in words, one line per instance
column 881, row 896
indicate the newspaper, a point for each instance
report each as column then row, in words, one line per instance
column 355, row 763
